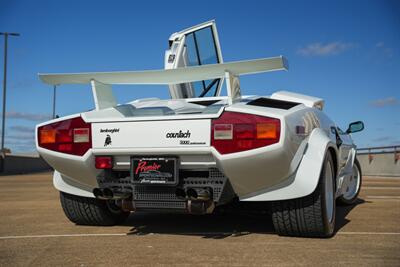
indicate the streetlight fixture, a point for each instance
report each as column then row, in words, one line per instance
column 6, row 34
column 54, row 101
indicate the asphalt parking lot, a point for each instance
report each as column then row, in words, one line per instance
column 34, row 231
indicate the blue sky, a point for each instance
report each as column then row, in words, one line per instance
column 347, row 52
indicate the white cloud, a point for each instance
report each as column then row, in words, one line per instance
column 27, row 116
column 381, row 46
column 22, row 129
column 383, row 102
column 319, row 49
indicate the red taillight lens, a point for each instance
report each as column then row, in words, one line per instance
column 103, row 162
column 69, row 136
column 235, row 132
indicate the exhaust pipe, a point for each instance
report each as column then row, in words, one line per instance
column 126, row 204
column 98, row 193
column 203, row 194
column 198, row 207
column 108, row 194
column 180, row 193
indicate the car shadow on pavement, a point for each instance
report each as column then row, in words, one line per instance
column 216, row 226
column 342, row 211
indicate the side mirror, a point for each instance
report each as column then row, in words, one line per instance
column 354, row 127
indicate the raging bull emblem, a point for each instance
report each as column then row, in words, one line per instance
column 108, row 140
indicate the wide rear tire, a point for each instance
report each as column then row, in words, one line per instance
column 91, row 211
column 312, row 215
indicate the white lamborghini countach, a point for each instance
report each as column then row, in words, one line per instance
column 206, row 147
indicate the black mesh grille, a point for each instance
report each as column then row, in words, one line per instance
column 160, row 205
column 272, row 103
column 154, row 193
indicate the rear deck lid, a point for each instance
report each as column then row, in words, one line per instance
column 151, row 134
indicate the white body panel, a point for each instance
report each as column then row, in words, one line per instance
column 309, row 101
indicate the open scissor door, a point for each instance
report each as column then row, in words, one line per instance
column 195, row 46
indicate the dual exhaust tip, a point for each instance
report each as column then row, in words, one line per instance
column 199, row 200
column 108, row 194
column 202, row 194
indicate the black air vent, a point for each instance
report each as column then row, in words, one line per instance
column 205, row 102
column 272, row 103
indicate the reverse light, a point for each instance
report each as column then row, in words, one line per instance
column 81, row 135
column 70, row 136
column 236, row 132
column 103, row 162
column 223, row 131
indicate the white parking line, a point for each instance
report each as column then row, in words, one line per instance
column 184, row 233
column 384, row 197
column 367, row 233
column 50, row 236
column 381, row 187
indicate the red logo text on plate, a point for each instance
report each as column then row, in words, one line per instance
column 143, row 167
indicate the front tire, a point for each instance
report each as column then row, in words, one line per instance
column 91, row 211
column 312, row 215
column 353, row 186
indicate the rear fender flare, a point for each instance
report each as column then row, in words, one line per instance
column 68, row 185
column 305, row 179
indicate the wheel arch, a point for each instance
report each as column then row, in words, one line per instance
column 334, row 155
column 305, row 180
column 70, row 186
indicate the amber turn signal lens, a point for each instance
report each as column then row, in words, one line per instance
column 266, row 131
column 47, row 136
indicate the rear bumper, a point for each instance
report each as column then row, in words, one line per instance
column 248, row 172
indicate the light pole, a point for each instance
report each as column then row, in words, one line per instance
column 6, row 34
column 54, row 101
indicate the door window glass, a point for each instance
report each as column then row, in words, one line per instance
column 201, row 49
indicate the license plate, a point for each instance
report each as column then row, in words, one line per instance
column 154, row 170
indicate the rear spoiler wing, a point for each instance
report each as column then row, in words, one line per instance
column 101, row 81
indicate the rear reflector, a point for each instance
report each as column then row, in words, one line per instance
column 70, row 136
column 103, row 162
column 236, row 132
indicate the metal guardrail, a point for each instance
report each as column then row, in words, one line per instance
column 371, row 151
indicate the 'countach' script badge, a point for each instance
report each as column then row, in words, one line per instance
column 179, row 134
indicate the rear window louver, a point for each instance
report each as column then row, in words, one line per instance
column 272, row 103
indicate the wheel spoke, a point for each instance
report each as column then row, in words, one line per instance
column 352, row 184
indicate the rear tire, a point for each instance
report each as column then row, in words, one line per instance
column 312, row 215
column 91, row 211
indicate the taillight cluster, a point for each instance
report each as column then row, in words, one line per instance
column 70, row 136
column 235, row 132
